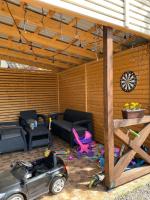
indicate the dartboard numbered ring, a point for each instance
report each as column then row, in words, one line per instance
column 128, row 81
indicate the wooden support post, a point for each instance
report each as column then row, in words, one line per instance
column 108, row 105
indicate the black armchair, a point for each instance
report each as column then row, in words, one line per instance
column 62, row 124
column 37, row 130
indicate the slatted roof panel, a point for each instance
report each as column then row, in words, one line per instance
column 53, row 40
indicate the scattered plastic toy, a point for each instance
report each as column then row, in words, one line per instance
column 70, row 157
column 96, row 179
column 61, row 152
column 84, row 143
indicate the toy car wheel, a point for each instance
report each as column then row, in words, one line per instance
column 57, row 185
column 16, row 197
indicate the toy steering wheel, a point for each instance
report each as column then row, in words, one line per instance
column 26, row 163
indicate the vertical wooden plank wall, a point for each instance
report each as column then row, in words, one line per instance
column 136, row 59
column 26, row 90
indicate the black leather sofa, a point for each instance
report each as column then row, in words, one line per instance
column 62, row 124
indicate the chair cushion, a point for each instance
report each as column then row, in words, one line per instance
column 28, row 114
column 40, row 130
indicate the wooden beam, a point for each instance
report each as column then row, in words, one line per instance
column 133, row 144
column 46, row 42
column 118, row 123
column 50, row 14
column 39, row 52
column 31, row 58
column 50, row 24
column 27, row 62
column 78, row 11
column 123, row 162
column 73, row 22
column 132, row 174
column 88, row 14
column 108, row 105
column 34, row 57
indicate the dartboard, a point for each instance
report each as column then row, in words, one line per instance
column 128, row 81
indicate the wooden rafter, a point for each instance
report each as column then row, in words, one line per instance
column 50, row 24
column 46, row 42
column 47, row 22
column 32, row 58
column 28, row 62
column 24, row 48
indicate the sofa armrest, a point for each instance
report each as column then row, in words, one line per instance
column 86, row 121
column 22, row 122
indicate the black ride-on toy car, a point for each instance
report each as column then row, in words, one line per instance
column 29, row 180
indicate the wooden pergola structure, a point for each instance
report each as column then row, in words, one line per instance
column 32, row 33
column 115, row 174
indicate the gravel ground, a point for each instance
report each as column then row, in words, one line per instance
column 142, row 193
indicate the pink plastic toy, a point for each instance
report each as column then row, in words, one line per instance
column 116, row 151
column 70, row 157
column 84, row 143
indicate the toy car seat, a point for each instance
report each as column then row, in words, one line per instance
column 84, row 143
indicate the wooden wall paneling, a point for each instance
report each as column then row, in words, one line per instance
column 20, row 90
column 95, row 97
column 72, row 89
column 135, row 59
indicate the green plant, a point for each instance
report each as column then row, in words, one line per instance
column 132, row 106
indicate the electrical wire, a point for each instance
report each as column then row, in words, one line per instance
column 20, row 33
column 25, row 12
column 75, row 39
column 42, row 20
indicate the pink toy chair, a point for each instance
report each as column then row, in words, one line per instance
column 84, row 143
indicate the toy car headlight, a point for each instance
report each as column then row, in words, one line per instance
column 2, row 195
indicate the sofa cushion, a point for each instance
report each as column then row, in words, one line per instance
column 75, row 115
column 68, row 126
column 63, row 124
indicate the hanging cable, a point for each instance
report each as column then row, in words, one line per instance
column 25, row 12
column 61, row 21
column 76, row 30
column 43, row 16
column 20, row 33
column 74, row 40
